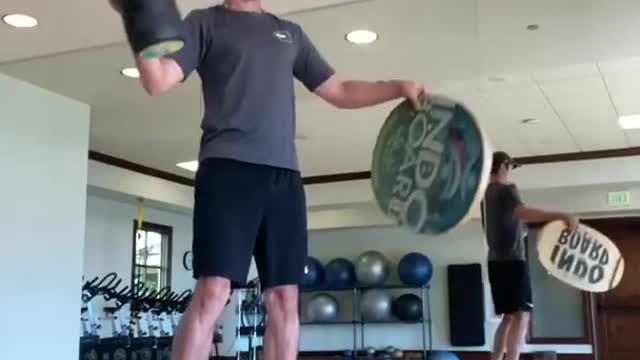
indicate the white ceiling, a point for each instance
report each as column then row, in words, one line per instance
column 576, row 74
column 93, row 23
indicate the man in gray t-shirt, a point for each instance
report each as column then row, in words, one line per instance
column 249, row 197
column 505, row 233
column 504, row 216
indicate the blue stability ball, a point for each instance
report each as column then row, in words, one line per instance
column 340, row 273
column 442, row 355
column 415, row 269
column 313, row 276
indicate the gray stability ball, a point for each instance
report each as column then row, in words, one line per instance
column 322, row 308
column 375, row 305
column 372, row 268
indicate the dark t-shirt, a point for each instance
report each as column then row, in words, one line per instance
column 247, row 62
column 505, row 233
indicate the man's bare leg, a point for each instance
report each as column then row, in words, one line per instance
column 516, row 334
column 194, row 335
column 500, row 338
column 283, row 327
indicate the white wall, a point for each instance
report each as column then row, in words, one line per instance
column 109, row 244
column 136, row 185
column 43, row 156
column 108, row 248
column 109, row 239
column 464, row 245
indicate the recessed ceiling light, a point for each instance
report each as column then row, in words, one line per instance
column 20, row 20
column 529, row 121
column 533, row 27
column 189, row 165
column 130, row 72
column 361, row 37
column 629, row 122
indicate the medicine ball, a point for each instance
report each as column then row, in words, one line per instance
column 313, row 276
column 340, row 273
column 407, row 307
column 415, row 269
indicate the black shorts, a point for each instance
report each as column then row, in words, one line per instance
column 510, row 286
column 244, row 209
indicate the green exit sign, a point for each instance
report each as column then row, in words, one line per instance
column 619, row 198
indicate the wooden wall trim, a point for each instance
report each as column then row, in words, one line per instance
column 579, row 156
column 363, row 175
column 145, row 170
column 141, row 169
column 324, row 179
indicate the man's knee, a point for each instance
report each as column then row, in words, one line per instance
column 282, row 299
column 522, row 317
column 212, row 293
column 507, row 319
column 519, row 324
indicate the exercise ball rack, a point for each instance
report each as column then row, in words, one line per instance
column 358, row 323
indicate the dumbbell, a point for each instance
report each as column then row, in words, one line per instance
column 154, row 27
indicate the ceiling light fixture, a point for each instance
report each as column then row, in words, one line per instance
column 533, row 27
column 189, row 165
column 130, row 72
column 629, row 122
column 20, row 20
column 361, row 36
column 529, row 121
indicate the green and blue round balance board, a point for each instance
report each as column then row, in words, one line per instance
column 431, row 166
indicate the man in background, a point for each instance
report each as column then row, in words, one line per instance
column 504, row 217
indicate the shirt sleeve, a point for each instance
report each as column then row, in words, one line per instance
column 310, row 67
column 511, row 197
column 197, row 38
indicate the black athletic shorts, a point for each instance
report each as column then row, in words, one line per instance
column 510, row 286
column 244, row 209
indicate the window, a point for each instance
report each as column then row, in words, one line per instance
column 151, row 263
column 561, row 314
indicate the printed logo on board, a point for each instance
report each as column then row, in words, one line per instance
column 283, row 36
column 581, row 255
column 431, row 159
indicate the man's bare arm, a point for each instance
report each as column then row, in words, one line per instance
column 538, row 216
column 159, row 75
column 354, row 94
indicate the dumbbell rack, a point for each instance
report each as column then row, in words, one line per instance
column 358, row 322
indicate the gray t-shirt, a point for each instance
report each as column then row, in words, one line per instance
column 505, row 233
column 247, row 63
